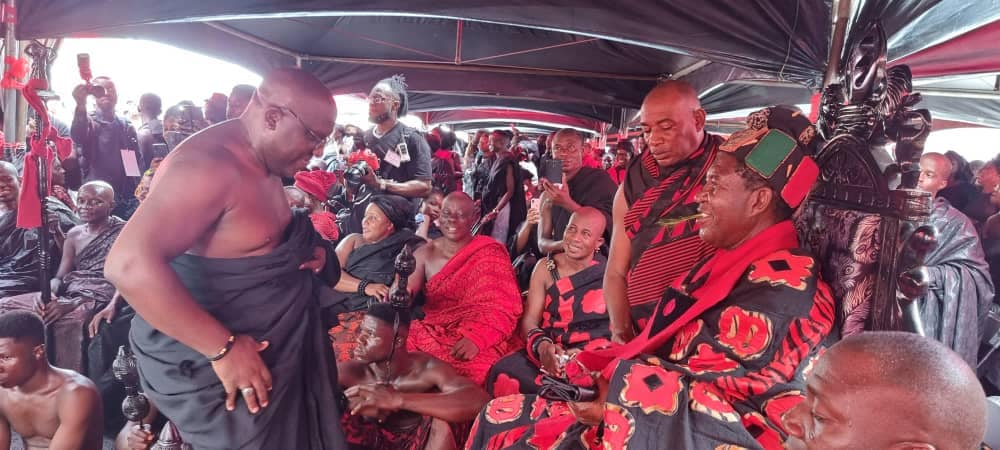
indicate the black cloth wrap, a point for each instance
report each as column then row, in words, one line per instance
column 270, row 298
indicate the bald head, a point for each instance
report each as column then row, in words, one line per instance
column 100, row 189
column 592, row 217
column 458, row 214
column 672, row 121
column 7, row 168
column 584, row 233
column 935, row 171
column 885, row 388
column 291, row 115
column 461, row 201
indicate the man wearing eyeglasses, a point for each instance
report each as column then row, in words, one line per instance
column 227, row 332
column 405, row 167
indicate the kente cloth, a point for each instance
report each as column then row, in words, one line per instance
column 101, row 140
column 736, row 352
column 961, row 289
column 19, row 251
column 474, row 296
column 87, row 288
column 344, row 334
column 496, row 187
column 367, row 434
column 574, row 316
column 661, row 254
column 590, row 187
column 269, row 298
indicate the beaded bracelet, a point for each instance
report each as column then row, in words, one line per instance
column 224, row 350
column 361, row 287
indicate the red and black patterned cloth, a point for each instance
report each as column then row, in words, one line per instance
column 723, row 359
column 575, row 317
column 661, row 254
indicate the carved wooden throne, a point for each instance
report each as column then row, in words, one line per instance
column 864, row 220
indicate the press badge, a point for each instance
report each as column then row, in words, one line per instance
column 130, row 163
column 392, row 158
column 404, row 152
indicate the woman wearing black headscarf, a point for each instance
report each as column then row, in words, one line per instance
column 367, row 266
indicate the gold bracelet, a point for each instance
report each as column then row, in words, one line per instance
column 225, row 349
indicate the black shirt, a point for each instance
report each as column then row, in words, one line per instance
column 419, row 165
column 590, row 187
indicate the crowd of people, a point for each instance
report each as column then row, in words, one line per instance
column 651, row 295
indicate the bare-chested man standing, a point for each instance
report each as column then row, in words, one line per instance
column 49, row 407
column 211, row 264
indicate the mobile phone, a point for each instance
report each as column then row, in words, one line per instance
column 552, row 170
column 535, row 203
column 160, row 150
column 83, row 64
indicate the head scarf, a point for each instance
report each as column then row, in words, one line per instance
column 398, row 209
column 316, row 183
column 778, row 144
column 397, row 85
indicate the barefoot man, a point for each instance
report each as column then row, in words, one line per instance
column 49, row 407
column 227, row 334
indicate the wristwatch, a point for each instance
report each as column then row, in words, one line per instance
column 381, row 185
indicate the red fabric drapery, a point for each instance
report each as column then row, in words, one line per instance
column 972, row 52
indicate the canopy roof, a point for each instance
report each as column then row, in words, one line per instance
column 589, row 59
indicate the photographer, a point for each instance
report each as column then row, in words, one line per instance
column 104, row 137
column 405, row 157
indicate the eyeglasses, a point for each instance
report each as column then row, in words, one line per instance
column 379, row 99
column 313, row 136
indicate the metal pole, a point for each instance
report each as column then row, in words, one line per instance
column 13, row 50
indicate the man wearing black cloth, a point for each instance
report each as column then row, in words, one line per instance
column 405, row 167
column 581, row 186
column 224, row 311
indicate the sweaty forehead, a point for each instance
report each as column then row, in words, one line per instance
column 457, row 203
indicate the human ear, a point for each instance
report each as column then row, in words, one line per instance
column 760, row 198
column 271, row 118
column 699, row 119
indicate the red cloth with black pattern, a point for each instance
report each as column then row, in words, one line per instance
column 575, row 316
column 661, row 254
column 723, row 376
column 474, row 296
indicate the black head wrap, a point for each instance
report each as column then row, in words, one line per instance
column 397, row 84
column 398, row 209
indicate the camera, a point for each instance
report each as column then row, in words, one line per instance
column 83, row 64
column 354, row 173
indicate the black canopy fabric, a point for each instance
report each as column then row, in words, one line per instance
column 589, row 59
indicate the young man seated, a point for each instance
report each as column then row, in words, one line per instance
column 49, row 407
column 79, row 287
column 726, row 350
column 565, row 311
column 399, row 399
column 889, row 391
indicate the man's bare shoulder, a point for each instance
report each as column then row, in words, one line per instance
column 76, row 231
column 75, row 383
column 207, row 150
column 426, row 249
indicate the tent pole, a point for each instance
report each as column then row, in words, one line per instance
column 11, row 50
column 837, row 41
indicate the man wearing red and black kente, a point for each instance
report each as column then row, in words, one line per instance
column 660, row 186
column 725, row 353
